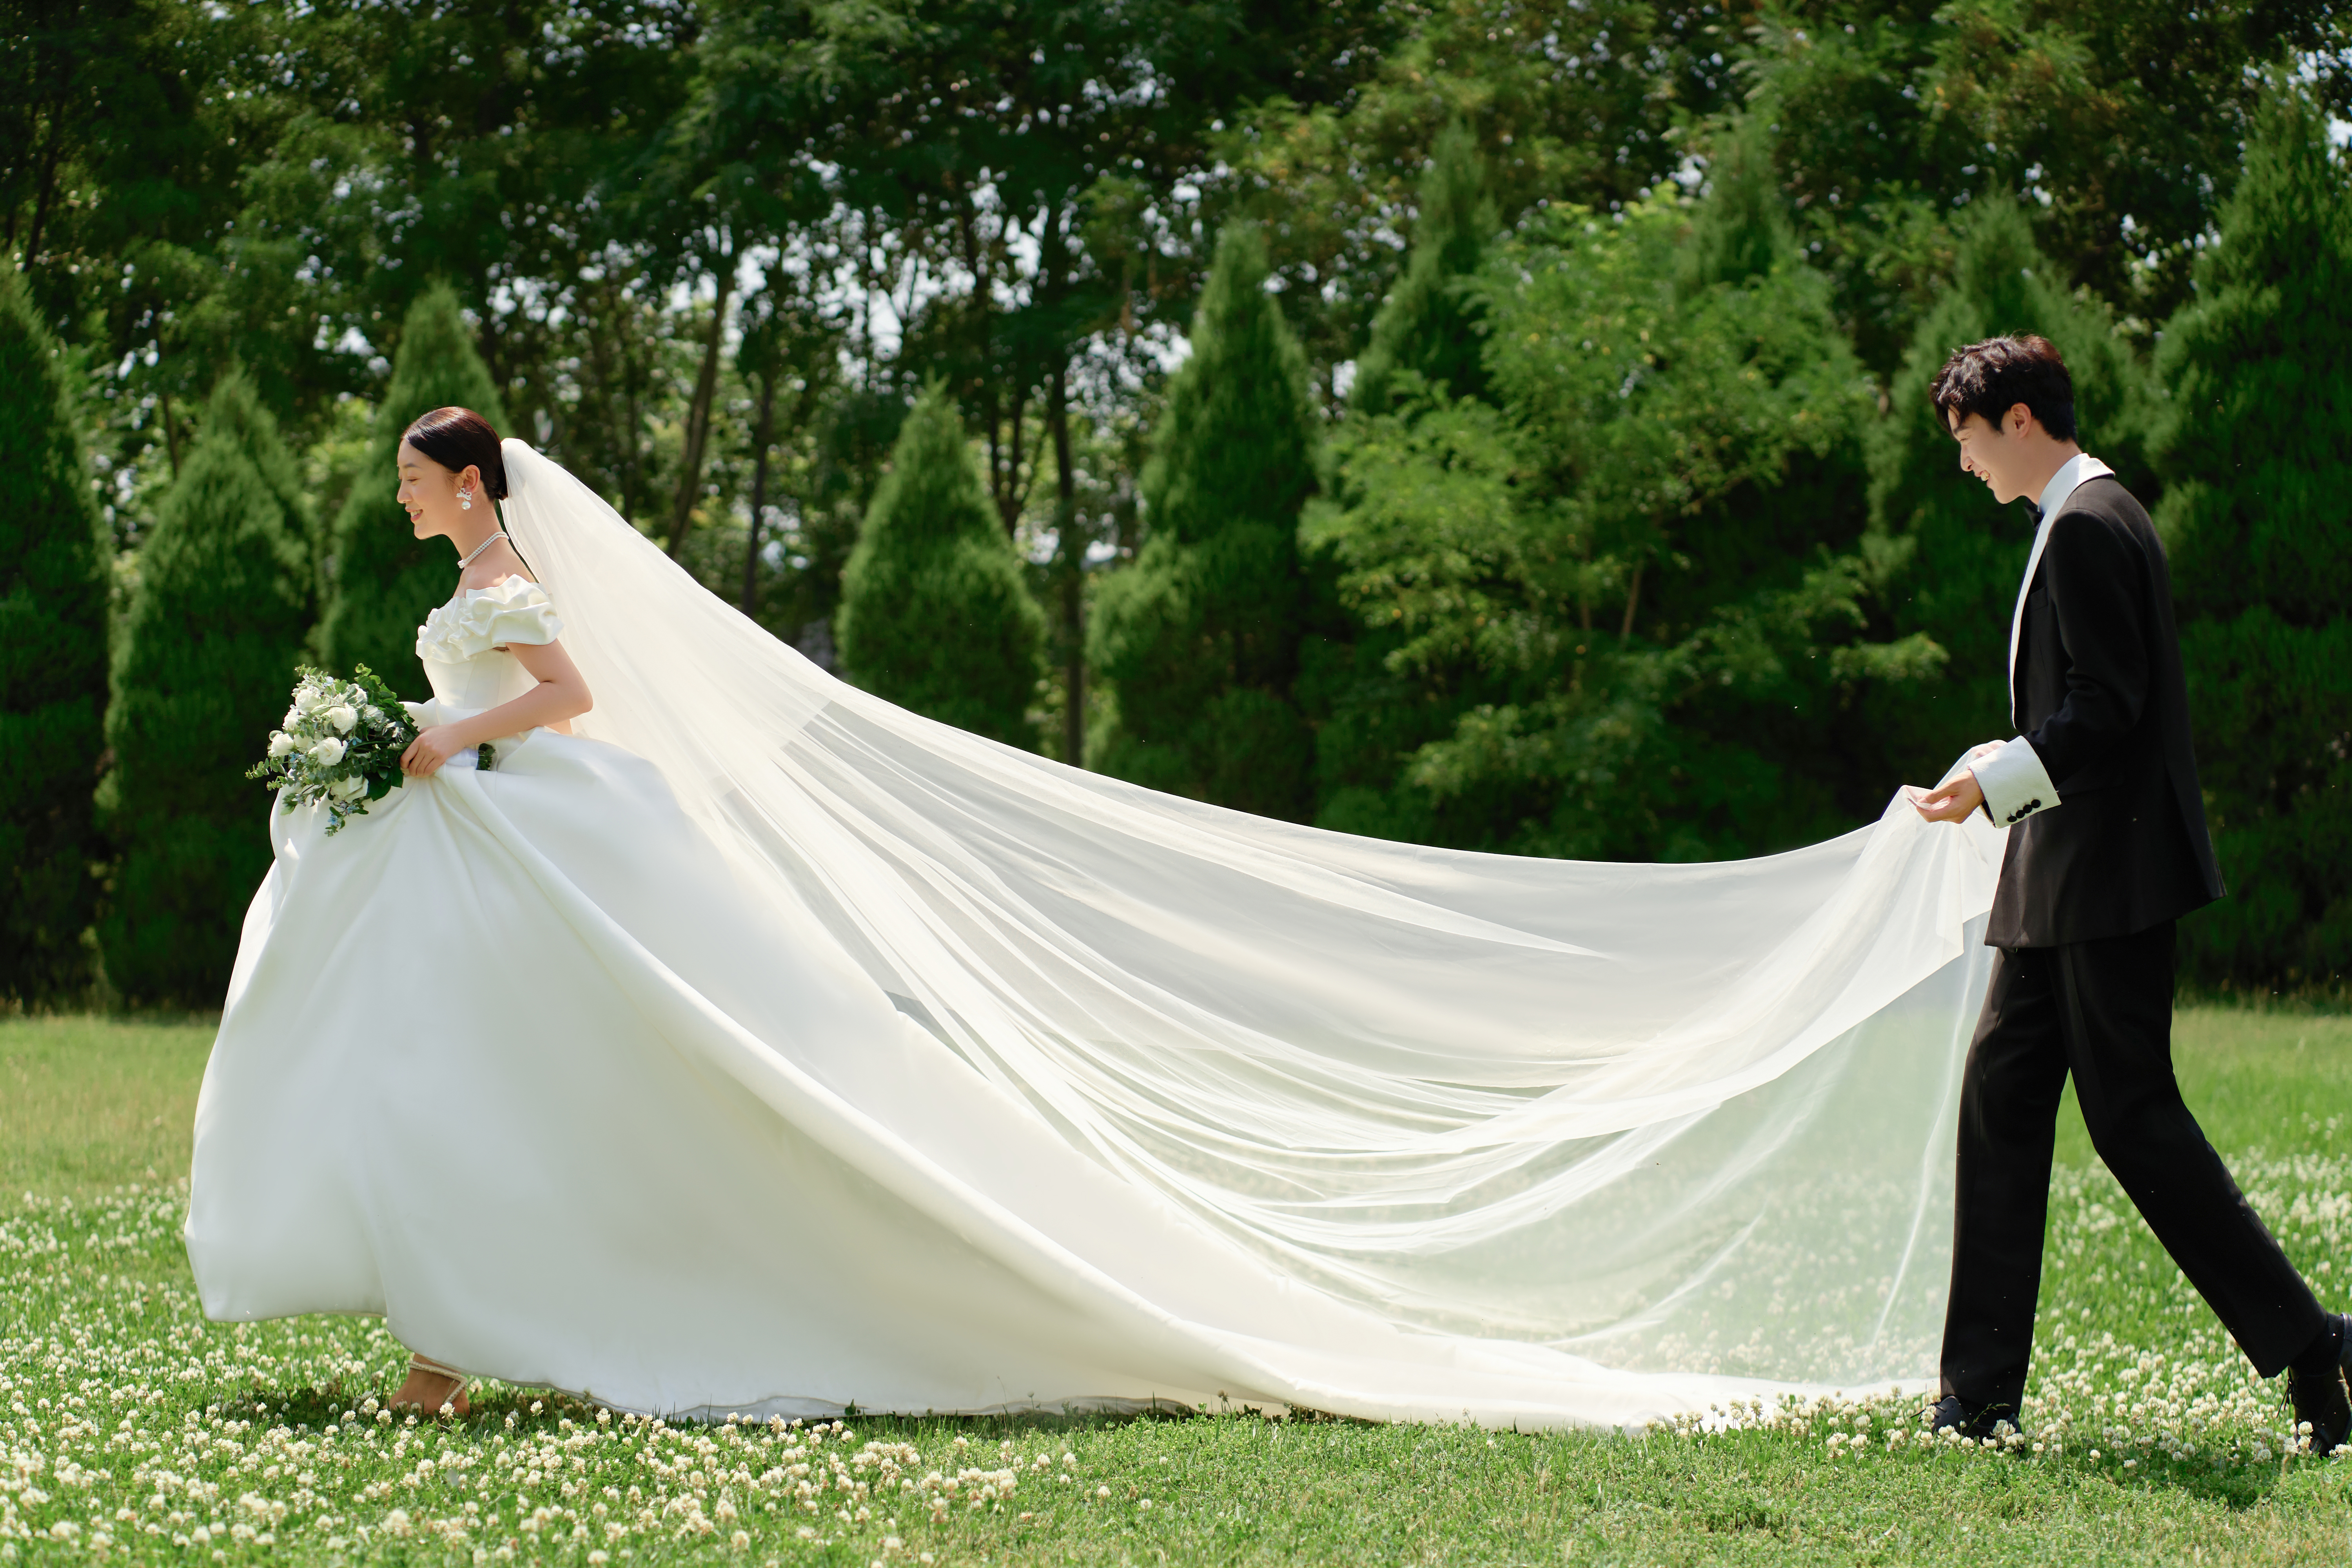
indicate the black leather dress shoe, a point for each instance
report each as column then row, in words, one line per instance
column 2321, row 1400
column 1950, row 1413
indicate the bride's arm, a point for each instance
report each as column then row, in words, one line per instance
column 562, row 695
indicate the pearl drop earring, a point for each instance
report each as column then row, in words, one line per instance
column 465, row 501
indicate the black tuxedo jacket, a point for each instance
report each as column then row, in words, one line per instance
column 2097, row 690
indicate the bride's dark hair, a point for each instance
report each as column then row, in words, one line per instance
column 459, row 437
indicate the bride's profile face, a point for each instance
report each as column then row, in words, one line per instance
column 432, row 493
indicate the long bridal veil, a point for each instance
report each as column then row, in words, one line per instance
column 1630, row 1119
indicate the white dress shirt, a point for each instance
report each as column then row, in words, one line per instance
column 2011, row 774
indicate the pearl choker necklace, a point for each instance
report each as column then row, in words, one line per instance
column 477, row 550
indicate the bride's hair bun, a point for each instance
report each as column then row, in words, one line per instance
column 457, row 438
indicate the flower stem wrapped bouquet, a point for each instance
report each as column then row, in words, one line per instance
column 340, row 745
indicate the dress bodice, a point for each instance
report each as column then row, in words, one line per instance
column 463, row 644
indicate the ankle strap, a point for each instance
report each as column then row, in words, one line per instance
column 426, row 1364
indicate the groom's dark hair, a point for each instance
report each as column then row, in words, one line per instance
column 1997, row 374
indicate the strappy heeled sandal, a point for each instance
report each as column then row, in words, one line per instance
column 457, row 1404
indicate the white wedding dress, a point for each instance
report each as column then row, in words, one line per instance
column 766, row 1048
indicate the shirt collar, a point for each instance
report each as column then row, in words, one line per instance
column 2056, row 493
column 2072, row 472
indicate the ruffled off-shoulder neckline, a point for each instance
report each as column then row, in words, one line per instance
column 513, row 609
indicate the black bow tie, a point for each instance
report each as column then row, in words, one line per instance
column 2034, row 512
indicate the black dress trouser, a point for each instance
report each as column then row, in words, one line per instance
column 2102, row 1010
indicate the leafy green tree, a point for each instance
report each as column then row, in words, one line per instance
column 53, row 553
column 2257, row 447
column 2121, row 118
column 1372, row 713
column 934, row 614
column 1429, row 324
column 384, row 580
column 201, row 672
column 1028, row 156
column 1326, row 178
column 1199, row 640
column 1427, row 341
column 1953, row 557
column 1743, row 228
column 127, row 130
column 1625, row 598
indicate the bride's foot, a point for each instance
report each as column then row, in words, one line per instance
column 430, row 1387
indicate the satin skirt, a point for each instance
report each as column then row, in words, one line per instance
column 514, row 1061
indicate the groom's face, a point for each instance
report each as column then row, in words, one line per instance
column 1996, row 454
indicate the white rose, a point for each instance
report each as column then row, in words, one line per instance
column 374, row 716
column 293, row 716
column 281, row 744
column 343, row 717
column 327, row 753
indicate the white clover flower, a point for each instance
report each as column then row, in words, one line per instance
column 281, row 744
column 328, row 752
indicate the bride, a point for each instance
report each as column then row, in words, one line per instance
column 696, row 1033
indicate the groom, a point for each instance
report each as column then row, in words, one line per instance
column 2107, row 849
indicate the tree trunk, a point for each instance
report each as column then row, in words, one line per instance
column 171, row 432
column 698, row 419
column 1014, row 494
column 759, row 440
column 1633, row 598
column 46, row 190
column 976, row 263
column 1071, row 566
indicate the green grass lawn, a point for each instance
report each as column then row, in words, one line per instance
column 132, row 1429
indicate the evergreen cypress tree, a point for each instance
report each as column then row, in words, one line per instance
column 1374, row 719
column 934, row 614
column 201, row 673
column 384, row 580
column 1952, row 558
column 2256, row 447
column 1622, row 604
column 1428, row 323
column 1198, row 639
column 53, row 587
column 1426, row 343
column 1743, row 228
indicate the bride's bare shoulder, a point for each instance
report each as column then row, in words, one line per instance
column 499, row 565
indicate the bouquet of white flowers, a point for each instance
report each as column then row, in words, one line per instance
column 342, row 744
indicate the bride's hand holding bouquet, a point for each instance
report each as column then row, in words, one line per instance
column 434, row 745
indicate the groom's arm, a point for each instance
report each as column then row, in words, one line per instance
column 2095, row 576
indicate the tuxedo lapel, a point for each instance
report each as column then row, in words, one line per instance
column 2054, row 495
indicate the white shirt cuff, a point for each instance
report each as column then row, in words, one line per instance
column 2014, row 781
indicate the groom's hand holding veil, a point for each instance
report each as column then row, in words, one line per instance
column 1950, row 801
column 1959, row 795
